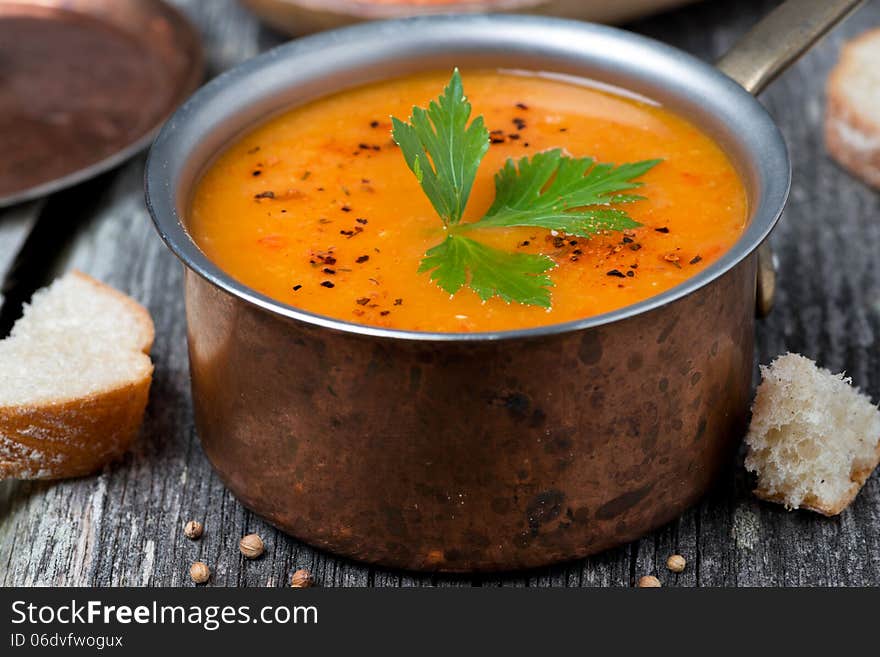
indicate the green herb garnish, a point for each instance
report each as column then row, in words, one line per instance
column 550, row 190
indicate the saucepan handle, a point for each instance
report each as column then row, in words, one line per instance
column 762, row 54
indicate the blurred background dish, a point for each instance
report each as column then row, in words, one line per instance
column 84, row 84
column 305, row 16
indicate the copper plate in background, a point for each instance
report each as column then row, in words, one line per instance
column 299, row 17
column 85, row 84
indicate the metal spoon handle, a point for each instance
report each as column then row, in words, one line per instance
column 779, row 39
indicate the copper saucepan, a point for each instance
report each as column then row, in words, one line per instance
column 482, row 451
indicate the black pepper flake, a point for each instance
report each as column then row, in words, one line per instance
column 329, row 260
column 572, row 243
column 664, row 229
column 628, row 240
column 696, row 259
column 522, row 106
column 256, row 172
column 563, row 129
column 306, row 175
column 364, row 147
column 398, row 302
column 630, row 273
column 265, row 195
column 513, row 135
column 297, row 288
column 496, row 140
column 496, row 132
column 524, row 243
column 558, row 242
column 345, row 208
column 253, row 150
column 635, row 247
column 327, row 284
column 363, row 301
column 578, row 252
column 385, row 312
column 374, row 124
column 519, row 123
column 361, row 220
column 616, row 272
column 347, row 233
column 362, row 259
column 327, row 270
column 525, row 144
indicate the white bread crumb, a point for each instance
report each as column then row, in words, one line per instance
column 852, row 120
column 814, row 438
column 74, row 379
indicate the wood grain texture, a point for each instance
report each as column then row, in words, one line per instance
column 124, row 526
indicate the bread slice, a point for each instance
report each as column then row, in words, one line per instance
column 814, row 439
column 74, row 380
column 852, row 118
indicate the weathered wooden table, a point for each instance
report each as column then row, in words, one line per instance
column 124, row 526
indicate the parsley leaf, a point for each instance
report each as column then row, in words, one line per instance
column 557, row 192
column 511, row 276
column 550, row 190
column 442, row 150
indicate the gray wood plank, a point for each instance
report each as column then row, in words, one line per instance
column 124, row 526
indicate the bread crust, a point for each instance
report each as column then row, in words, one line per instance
column 812, row 503
column 850, row 137
column 72, row 437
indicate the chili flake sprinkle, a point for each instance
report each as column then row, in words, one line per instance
column 362, row 259
column 327, row 284
column 664, row 229
column 617, row 273
column 696, row 259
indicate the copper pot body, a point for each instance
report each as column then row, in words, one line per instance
column 483, row 451
column 458, row 456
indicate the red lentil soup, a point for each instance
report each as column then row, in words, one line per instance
column 316, row 208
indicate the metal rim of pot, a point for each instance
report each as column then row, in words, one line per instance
column 309, row 68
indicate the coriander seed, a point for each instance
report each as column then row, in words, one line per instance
column 649, row 582
column 301, row 579
column 199, row 572
column 676, row 563
column 193, row 529
column 251, row 546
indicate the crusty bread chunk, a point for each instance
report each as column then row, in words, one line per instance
column 814, row 438
column 74, row 380
column 852, row 119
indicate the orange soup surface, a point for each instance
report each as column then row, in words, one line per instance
column 317, row 209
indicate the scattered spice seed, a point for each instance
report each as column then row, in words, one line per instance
column 361, row 220
column 616, row 272
column 676, row 563
column 256, row 172
column 649, row 582
column 374, row 124
column 296, row 288
column 193, row 530
column 199, row 572
column 635, row 247
column 265, row 195
column 522, row 106
column 301, row 579
column 253, row 150
column 347, row 233
column 524, row 243
column 664, row 229
column 696, row 259
column 306, row 175
column 513, row 135
column 519, row 123
column 328, row 260
column 627, row 240
column 630, row 273
column 327, row 270
column 398, row 302
column 345, row 208
column 525, row 144
column 362, row 259
column 563, row 129
column 385, row 312
column 251, row 546
column 327, row 284
column 363, row 301
column 496, row 140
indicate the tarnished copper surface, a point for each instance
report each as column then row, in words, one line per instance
column 462, row 456
column 84, row 84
